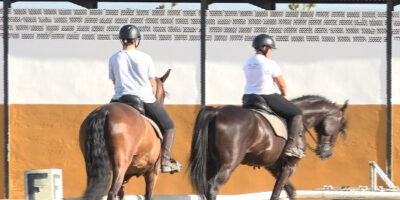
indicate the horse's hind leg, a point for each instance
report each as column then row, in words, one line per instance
column 220, row 178
column 151, row 179
column 118, row 178
column 121, row 192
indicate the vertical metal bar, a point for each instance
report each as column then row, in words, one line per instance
column 375, row 177
column 389, row 88
column 204, row 7
column 6, row 5
column 372, row 176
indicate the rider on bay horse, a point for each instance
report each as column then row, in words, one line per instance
column 263, row 77
column 133, row 75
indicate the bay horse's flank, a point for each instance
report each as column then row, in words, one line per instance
column 227, row 136
column 117, row 137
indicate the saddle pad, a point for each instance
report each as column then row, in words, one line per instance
column 155, row 126
column 279, row 127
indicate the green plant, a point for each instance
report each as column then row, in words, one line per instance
column 163, row 6
column 306, row 6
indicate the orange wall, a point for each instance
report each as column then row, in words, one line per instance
column 2, row 153
column 46, row 136
column 396, row 144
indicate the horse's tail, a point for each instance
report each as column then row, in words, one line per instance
column 96, row 155
column 199, row 149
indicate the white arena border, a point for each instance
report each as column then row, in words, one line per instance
column 392, row 192
column 309, row 194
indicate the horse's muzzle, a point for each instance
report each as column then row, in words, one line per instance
column 324, row 151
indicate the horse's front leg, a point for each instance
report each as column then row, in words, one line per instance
column 288, row 169
column 290, row 190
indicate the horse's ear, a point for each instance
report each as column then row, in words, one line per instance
column 163, row 78
column 345, row 105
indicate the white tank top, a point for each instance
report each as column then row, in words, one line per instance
column 260, row 73
column 131, row 71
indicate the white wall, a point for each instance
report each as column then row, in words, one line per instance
column 396, row 73
column 47, row 67
column 336, row 71
column 1, row 71
column 76, row 72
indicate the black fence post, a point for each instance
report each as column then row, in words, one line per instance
column 6, row 6
column 389, row 88
column 204, row 7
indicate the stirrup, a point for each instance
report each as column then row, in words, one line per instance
column 173, row 167
column 295, row 152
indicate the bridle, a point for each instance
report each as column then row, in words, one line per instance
column 315, row 140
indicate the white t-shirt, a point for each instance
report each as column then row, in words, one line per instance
column 131, row 71
column 260, row 73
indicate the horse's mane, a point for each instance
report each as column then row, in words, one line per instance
column 313, row 98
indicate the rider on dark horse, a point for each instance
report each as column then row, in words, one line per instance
column 133, row 75
column 263, row 79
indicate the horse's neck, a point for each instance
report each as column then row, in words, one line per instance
column 312, row 116
column 315, row 109
column 159, row 96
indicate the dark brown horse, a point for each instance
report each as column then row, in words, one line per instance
column 117, row 137
column 227, row 136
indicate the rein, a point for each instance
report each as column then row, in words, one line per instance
column 315, row 141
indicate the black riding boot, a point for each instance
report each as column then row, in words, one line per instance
column 294, row 146
column 166, row 165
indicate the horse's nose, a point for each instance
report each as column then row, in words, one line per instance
column 324, row 151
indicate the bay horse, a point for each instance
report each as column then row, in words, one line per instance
column 227, row 136
column 117, row 137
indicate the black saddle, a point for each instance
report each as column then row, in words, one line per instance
column 133, row 101
column 256, row 102
column 253, row 101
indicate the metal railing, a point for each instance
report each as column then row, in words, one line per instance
column 375, row 171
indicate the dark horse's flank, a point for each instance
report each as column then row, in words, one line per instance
column 227, row 136
column 116, row 137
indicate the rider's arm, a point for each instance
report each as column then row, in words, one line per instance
column 281, row 84
column 153, row 84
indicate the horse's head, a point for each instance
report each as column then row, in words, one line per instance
column 160, row 92
column 328, row 129
column 327, row 119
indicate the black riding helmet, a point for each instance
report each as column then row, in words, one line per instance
column 263, row 40
column 127, row 33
